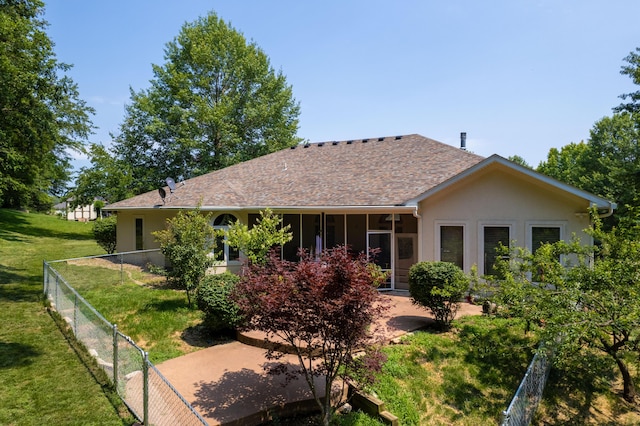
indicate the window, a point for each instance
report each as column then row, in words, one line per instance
column 494, row 238
column 452, row 244
column 139, row 234
column 542, row 235
column 223, row 252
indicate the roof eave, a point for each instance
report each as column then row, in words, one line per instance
column 402, row 208
column 594, row 200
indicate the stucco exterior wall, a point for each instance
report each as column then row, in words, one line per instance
column 498, row 198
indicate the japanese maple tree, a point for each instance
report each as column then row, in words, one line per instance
column 323, row 309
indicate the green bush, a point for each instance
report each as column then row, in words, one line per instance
column 104, row 232
column 212, row 297
column 439, row 287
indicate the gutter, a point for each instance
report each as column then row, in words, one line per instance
column 381, row 209
column 609, row 212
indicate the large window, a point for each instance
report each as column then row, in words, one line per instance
column 223, row 252
column 452, row 244
column 494, row 237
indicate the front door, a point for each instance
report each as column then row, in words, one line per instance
column 381, row 240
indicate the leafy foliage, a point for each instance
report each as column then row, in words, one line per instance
column 633, row 71
column 256, row 242
column 216, row 101
column 104, row 231
column 187, row 244
column 584, row 297
column 107, row 178
column 439, row 287
column 212, row 296
column 608, row 164
column 42, row 115
column 322, row 309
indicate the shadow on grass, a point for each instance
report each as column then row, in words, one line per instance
column 17, row 354
column 572, row 392
column 16, row 285
column 15, row 226
column 499, row 353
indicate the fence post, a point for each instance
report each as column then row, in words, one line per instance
column 115, row 358
column 56, row 295
column 75, row 315
column 45, row 274
column 121, row 269
column 145, row 387
column 505, row 419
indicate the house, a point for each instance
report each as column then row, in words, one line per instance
column 79, row 213
column 410, row 196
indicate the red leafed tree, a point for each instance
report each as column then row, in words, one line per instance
column 322, row 308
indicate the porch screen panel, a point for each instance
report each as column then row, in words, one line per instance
column 253, row 220
column 335, row 230
column 452, row 245
column 357, row 233
column 290, row 249
column 311, row 233
column 494, row 237
column 381, row 221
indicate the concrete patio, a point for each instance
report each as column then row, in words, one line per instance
column 228, row 384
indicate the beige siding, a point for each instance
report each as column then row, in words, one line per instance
column 498, row 198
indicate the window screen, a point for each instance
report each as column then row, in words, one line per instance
column 494, row 237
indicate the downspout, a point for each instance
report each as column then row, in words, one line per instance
column 420, row 236
column 612, row 207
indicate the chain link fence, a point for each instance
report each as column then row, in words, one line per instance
column 526, row 399
column 147, row 393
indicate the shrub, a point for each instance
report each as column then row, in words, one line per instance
column 439, row 287
column 212, row 297
column 104, row 232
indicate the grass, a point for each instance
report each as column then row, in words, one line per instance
column 42, row 376
column 156, row 316
column 460, row 377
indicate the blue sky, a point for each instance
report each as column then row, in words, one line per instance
column 519, row 76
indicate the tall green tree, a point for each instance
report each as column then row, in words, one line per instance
column 216, row 101
column 632, row 69
column 108, row 178
column 608, row 164
column 42, row 114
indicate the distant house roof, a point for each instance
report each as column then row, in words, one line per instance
column 385, row 171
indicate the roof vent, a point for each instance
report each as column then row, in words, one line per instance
column 349, row 142
column 335, row 143
column 463, row 141
column 398, row 138
column 365, row 140
column 294, row 147
column 380, row 139
column 306, row 145
column 321, row 143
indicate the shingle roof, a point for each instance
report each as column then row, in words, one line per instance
column 366, row 172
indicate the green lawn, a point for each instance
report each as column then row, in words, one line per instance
column 143, row 306
column 42, row 380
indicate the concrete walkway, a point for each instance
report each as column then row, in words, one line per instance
column 228, row 384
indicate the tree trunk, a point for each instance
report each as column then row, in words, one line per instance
column 629, row 392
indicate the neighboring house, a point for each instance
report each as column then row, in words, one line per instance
column 80, row 213
column 411, row 197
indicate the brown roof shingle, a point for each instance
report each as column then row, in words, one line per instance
column 366, row 172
